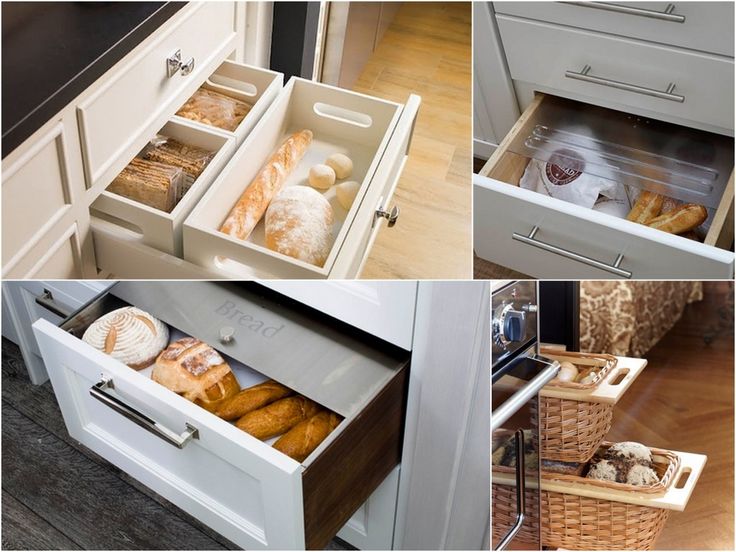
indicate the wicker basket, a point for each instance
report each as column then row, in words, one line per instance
column 572, row 430
column 581, row 523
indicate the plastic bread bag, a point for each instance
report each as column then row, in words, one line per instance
column 215, row 109
column 192, row 160
column 154, row 184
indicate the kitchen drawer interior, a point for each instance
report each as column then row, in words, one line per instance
column 357, row 376
column 557, row 139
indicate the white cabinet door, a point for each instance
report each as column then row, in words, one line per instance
column 384, row 309
column 21, row 309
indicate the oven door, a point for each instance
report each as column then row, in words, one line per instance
column 515, row 445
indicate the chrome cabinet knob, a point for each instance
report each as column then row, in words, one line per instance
column 391, row 216
column 174, row 65
column 227, row 334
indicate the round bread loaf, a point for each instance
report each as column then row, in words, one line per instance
column 299, row 224
column 129, row 335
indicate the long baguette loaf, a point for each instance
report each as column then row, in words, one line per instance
column 251, row 399
column 303, row 438
column 249, row 209
column 684, row 218
column 648, row 205
column 278, row 417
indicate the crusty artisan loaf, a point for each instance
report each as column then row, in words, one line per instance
column 249, row 209
column 154, row 184
column 680, row 220
column 197, row 372
column 647, row 206
column 278, row 417
column 299, row 224
column 304, row 437
column 251, row 399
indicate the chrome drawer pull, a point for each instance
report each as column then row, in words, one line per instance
column 585, row 76
column 615, row 268
column 46, row 300
column 171, row 437
column 391, row 216
column 665, row 15
column 520, row 490
column 174, row 65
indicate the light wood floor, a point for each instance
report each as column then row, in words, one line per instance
column 427, row 51
column 684, row 400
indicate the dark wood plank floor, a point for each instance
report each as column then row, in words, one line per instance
column 59, row 495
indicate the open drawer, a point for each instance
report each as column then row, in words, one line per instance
column 240, row 486
column 547, row 237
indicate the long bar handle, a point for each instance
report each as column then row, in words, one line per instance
column 614, row 268
column 152, row 426
column 585, row 76
column 665, row 15
column 520, row 491
column 46, row 300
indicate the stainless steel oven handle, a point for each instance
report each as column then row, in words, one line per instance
column 46, row 300
column 665, row 15
column 520, row 491
column 614, row 268
column 171, row 437
column 523, row 395
column 585, row 76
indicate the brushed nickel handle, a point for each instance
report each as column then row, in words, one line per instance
column 665, row 15
column 585, row 76
column 382, row 212
column 46, row 300
column 152, row 426
column 520, row 489
column 531, row 239
column 187, row 66
column 174, row 65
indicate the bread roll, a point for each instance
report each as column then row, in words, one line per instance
column 251, row 399
column 346, row 193
column 196, row 371
column 341, row 163
column 129, row 335
column 647, row 206
column 249, row 209
column 299, row 224
column 321, row 177
column 684, row 218
column 303, row 438
column 278, row 417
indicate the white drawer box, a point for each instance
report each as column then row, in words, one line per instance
column 158, row 228
column 553, row 59
column 253, row 85
column 118, row 116
column 236, row 484
column 374, row 133
column 503, row 211
column 704, row 26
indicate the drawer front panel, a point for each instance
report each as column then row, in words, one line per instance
column 230, row 481
column 117, row 119
column 57, row 255
column 543, row 54
column 705, row 26
column 501, row 210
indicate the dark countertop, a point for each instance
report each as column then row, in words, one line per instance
column 53, row 51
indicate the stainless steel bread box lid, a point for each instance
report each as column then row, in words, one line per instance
column 322, row 358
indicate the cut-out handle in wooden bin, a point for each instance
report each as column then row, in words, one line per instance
column 691, row 466
column 343, row 115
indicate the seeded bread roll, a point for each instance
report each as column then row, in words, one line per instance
column 301, row 440
column 154, row 184
column 278, row 417
column 251, row 399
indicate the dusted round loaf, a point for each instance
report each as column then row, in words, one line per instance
column 299, row 224
column 129, row 335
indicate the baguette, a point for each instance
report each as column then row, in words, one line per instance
column 681, row 220
column 278, row 417
column 251, row 399
column 648, row 205
column 301, row 440
column 249, row 209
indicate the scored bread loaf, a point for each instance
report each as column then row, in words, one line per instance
column 129, row 335
column 196, row 371
column 249, row 209
column 251, row 399
column 647, row 206
column 278, row 417
column 299, row 224
column 301, row 440
column 149, row 182
column 682, row 219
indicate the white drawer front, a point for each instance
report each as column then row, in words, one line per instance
column 57, row 254
column 119, row 116
column 541, row 54
column 705, row 26
column 501, row 209
column 234, row 483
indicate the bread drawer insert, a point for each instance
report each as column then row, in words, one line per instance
column 705, row 26
column 364, row 128
column 686, row 85
column 238, row 485
column 158, row 228
column 575, row 241
column 138, row 97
